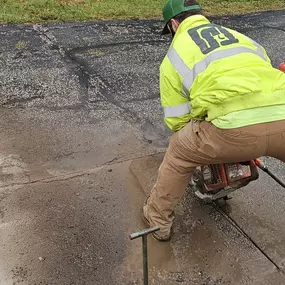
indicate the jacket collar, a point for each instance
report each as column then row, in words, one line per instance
column 192, row 22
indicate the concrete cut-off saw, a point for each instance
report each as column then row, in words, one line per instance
column 218, row 181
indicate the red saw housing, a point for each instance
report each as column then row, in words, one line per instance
column 221, row 176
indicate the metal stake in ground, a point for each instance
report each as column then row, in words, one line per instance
column 143, row 235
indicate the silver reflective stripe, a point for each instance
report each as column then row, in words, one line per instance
column 178, row 62
column 180, row 66
column 189, row 75
column 260, row 50
column 220, row 54
column 177, row 111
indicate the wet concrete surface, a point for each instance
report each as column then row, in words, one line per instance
column 82, row 137
column 258, row 210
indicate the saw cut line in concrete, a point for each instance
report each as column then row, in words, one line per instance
column 237, row 226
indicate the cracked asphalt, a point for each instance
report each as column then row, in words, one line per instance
column 82, row 137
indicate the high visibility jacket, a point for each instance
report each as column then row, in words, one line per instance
column 211, row 71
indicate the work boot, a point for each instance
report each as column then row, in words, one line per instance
column 159, row 236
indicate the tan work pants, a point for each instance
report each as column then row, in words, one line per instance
column 201, row 143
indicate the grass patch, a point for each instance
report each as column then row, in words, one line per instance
column 21, row 45
column 27, row 11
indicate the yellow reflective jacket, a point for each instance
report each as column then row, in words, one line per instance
column 211, row 71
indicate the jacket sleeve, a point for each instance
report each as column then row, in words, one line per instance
column 175, row 103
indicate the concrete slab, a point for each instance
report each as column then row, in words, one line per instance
column 72, row 229
column 207, row 249
column 81, row 140
column 259, row 211
column 64, row 231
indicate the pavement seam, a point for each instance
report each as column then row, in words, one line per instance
column 63, row 177
column 237, row 226
column 77, row 174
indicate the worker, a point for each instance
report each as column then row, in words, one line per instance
column 221, row 97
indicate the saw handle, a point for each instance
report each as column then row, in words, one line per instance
column 264, row 168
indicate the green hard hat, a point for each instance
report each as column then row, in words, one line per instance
column 174, row 7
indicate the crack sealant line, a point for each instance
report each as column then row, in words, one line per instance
column 275, row 28
column 106, row 45
column 76, row 66
column 82, row 67
column 237, row 226
column 48, row 38
column 21, row 100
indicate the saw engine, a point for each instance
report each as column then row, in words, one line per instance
column 218, row 181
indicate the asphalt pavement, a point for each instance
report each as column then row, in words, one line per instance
column 82, row 137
